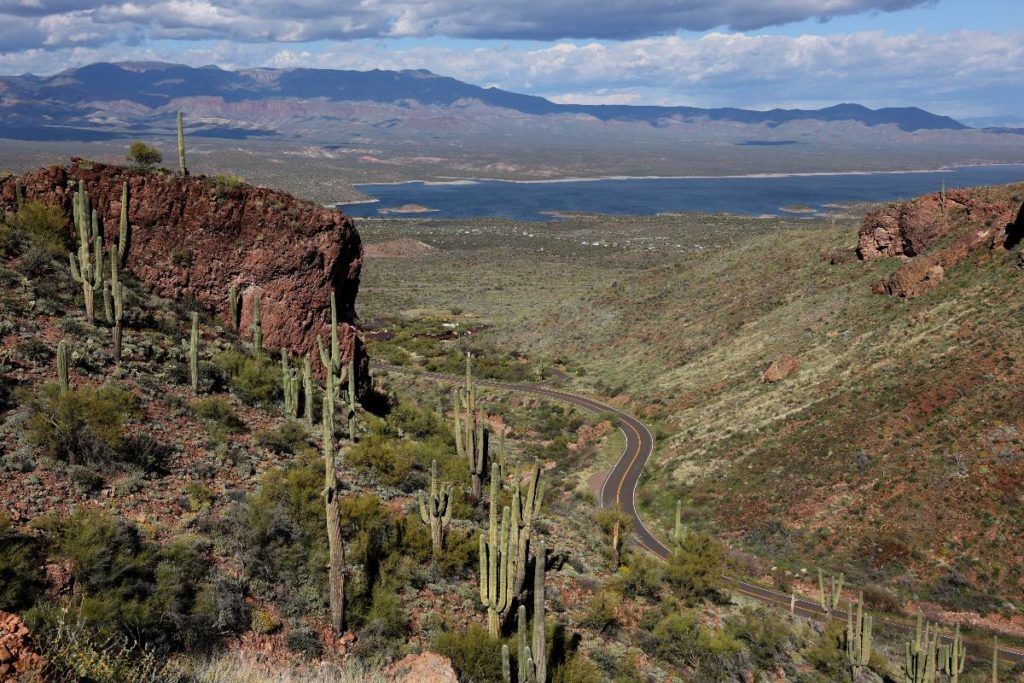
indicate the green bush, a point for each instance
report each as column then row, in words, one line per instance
column 639, row 577
column 388, row 460
column 303, row 640
column 288, row 439
column 694, row 569
column 577, row 669
column 256, row 381
column 218, row 410
column 475, row 655
column 45, row 227
column 83, row 425
column 21, row 579
column 600, row 613
column 85, row 479
column 143, row 156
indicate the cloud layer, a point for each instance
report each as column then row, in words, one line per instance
column 52, row 24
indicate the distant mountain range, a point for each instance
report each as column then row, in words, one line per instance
column 116, row 100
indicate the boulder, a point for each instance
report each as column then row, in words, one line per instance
column 191, row 238
column 426, row 667
column 17, row 659
column 781, row 368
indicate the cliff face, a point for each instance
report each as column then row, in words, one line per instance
column 194, row 238
column 932, row 234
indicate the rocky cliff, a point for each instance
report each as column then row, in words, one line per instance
column 194, row 237
column 934, row 232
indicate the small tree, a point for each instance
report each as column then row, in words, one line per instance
column 144, row 156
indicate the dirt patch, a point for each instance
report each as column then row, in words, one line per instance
column 403, row 248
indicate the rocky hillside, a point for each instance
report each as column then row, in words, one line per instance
column 194, row 238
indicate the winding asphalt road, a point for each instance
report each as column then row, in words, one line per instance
column 619, row 490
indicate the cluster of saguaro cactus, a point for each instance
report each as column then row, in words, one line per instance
column 335, row 544
column 499, row 552
column 289, row 385
column 256, row 327
column 234, row 308
column 181, row 144
column 858, row 638
column 470, row 435
column 436, row 509
column 829, row 596
column 953, row 656
column 87, row 269
column 920, row 664
column 193, row 354
column 63, row 378
column 531, row 659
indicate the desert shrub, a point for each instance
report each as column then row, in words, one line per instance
column 765, row 635
column 85, row 479
column 128, row 587
column 219, row 411
column 143, row 451
column 33, row 350
column 826, row 654
column 254, row 380
column 695, row 568
column 143, row 156
column 475, row 655
column 21, row 581
column 600, row 613
column 288, row 439
column 388, row 460
column 881, row 599
column 44, row 226
column 385, row 622
column 227, row 184
column 303, row 640
column 639, row 577
column 675, row 637
column 577, row 669
column 264, row 621
column 82, row 425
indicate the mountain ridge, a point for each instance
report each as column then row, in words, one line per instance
column 29, row 97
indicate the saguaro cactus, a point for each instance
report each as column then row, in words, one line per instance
column 829, row 596
column 122, row 232
column 995, row 659
column 335, row 544
column 679, row 533
column 234, row 308
column 181, row 144
column 19, row 195
column 256, row 328
column 858, row 637
column 471, row 439
column 62, row 367
column 307, row 388
column 193, row 354
column 524, row 507
column 953, row 656
column 118, row 319
column 531, row 663
column 921, row 657
column 87, row 269
column 436, row 509
column 289, row 385
column 498, row 552
column 332, row 362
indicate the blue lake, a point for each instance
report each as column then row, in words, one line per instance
column 750, row 195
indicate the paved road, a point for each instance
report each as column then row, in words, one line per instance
column 619, row 489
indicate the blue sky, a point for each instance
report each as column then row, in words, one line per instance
column 954, row 57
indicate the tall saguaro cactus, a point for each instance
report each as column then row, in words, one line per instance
column 829, row 595
column 531, row 661
column 953, row 656
column 181, row 144
column 87, row 269
column 289, row 385
column 256, row 327
column 234, row 308
column 470, row 436
column 858, row 637
column 118, row 289
column 920, row 664
column 995, row 659
column 498, row 552
column 525, row 505
column 307, row 389
column 679, row 533
column 122, row 231
column 63, row 379
column 193, row 354
column 436, row 509
column 335, row 544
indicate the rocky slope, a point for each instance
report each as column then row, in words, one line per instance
column 191, row 238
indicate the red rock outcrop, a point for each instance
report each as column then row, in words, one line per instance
column 969, row 220
column 18, row 661
column 426, row 667
column 781, row 368
column 193, row 238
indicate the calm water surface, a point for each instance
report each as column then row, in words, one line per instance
column 756, row 195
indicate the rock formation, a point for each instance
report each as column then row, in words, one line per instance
column 932, row 235
column 17, row 660
column 426, row 667
column 194, row 237
column 781, row 368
